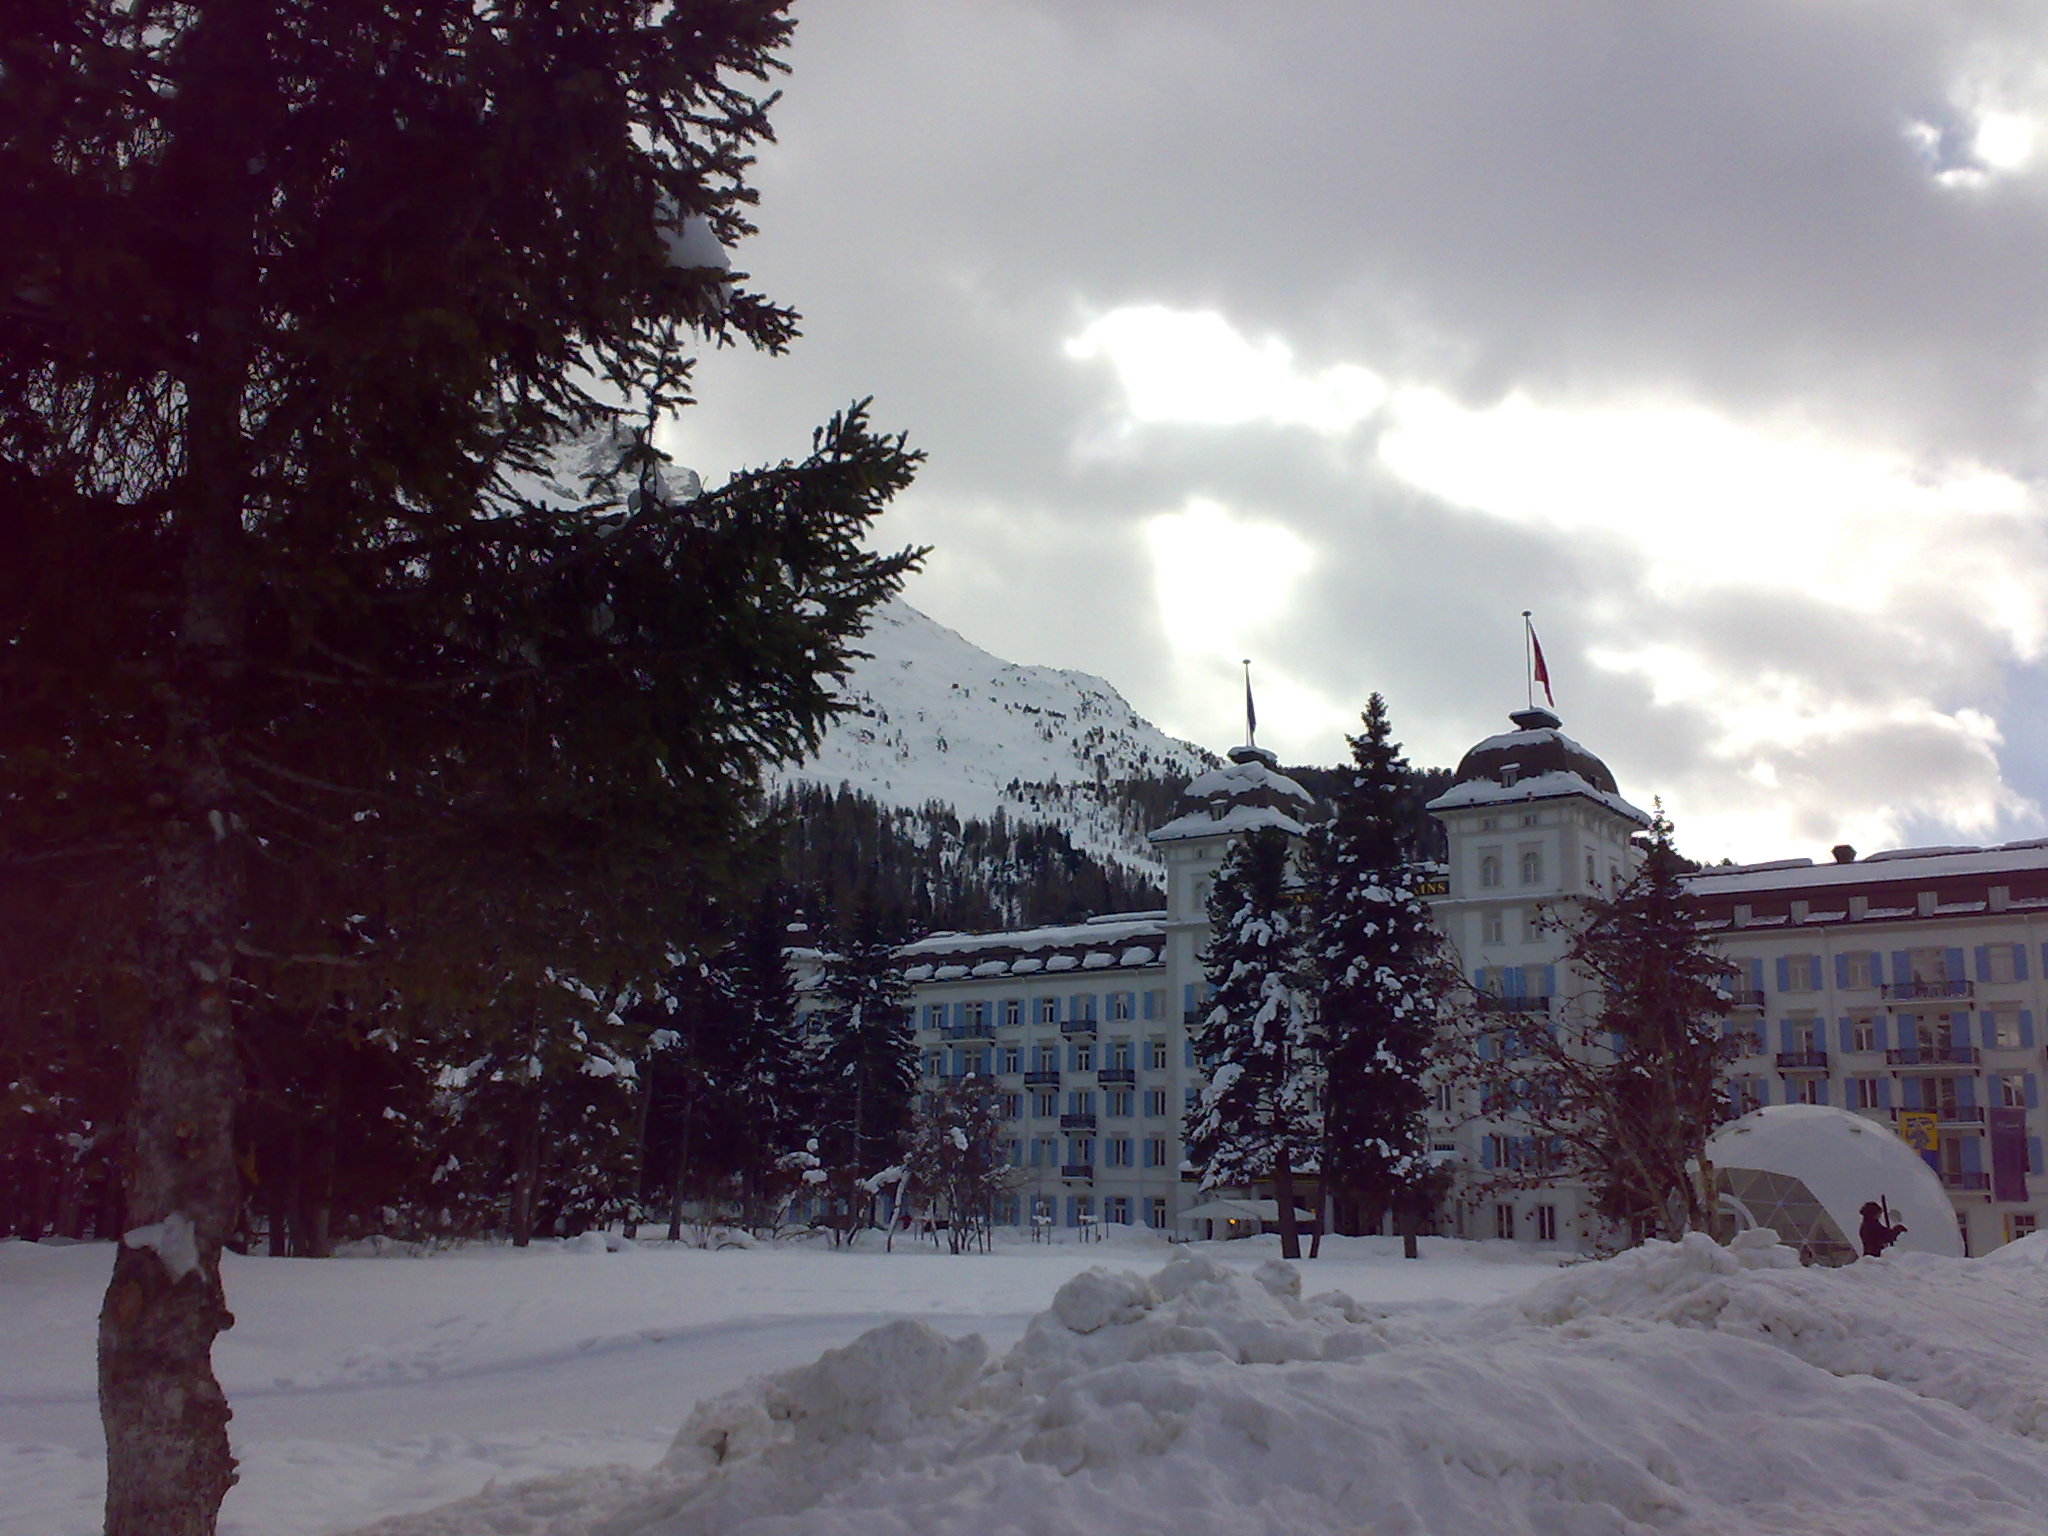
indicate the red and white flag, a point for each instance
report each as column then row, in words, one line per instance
column 1538, row 669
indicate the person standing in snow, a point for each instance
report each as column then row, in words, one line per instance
column 1877, row 1233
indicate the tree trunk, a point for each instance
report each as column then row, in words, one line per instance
column 526, row 1166
column 676, row 1182
column 1407, row 1216
column 1283, row 1193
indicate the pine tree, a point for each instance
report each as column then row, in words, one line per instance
column 864, row 1060
column 954, row 1161
column 1623, row 1089
column 1381, row 969
column 1259, row 1117
column 298, row 308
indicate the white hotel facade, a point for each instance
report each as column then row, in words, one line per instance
column 1909, row 980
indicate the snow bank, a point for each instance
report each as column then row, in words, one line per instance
column 1681, row 1388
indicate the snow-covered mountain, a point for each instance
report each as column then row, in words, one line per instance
column 935, row 717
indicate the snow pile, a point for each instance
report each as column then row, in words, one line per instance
column 1681, row 1389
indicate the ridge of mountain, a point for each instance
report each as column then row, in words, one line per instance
column 932, row 717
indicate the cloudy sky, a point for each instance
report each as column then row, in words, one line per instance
column 1335, row 336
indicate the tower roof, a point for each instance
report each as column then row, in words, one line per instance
column 1246, row 793
column 1534, row 761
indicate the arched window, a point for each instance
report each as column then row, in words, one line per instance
column 1489, row 869
column 1532, row 868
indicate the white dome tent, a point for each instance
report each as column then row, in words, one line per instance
column 1805, row 1170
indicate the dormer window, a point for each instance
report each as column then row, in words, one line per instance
column 1509, row 774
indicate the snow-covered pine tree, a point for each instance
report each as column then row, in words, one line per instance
column 864, row 1066
column 1381, row 970
column 954, row 1167
column 1259, row 1116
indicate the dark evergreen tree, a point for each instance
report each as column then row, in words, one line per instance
column 864, row 1059
column 1381, row 972
column 1260, row 1116
column 1623, row 1089
column 301, row 305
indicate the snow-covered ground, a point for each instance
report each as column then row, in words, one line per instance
column 1113, row 1388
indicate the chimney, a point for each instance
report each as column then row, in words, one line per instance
column 1844, row 854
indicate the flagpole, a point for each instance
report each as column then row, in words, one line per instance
column 1528, row 658
column 1251, row 716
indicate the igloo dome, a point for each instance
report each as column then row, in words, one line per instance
column 1806, row 1170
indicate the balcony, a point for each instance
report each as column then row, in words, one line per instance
column 1744, row 997
column 1043, row 1077
column 1077, row 1170
column 967, row 1031
column 1957, row 1179
column 1078, row 1027
column 1084, row 1122
column 1946, row 1114
column 1912, row 991
column 1127, row 1076
column 1746, row 1041
column 1931, row 1057
column 1489, row 1004
column 1802, row 1061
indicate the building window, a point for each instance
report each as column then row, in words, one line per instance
column 1590, row 877
column 1863, row 1093
column 934, row 1015
column 1046, row 1058
column 1155, row 1214
column 1190, row 1097
column 1045, row 1104
column 1489, row 870
column 1493, row 928
column 1155, row 1003
column 1532, row 866
column 2009, row 1090
column 1504, row 1221
column 1013, row 1011
column 1117, row 1209
column 1045, row 1152
column 1860, row 969
column 1120, row 1100
column 1546, row 1223
column 976, row 1015
column 1119, row 1054
column 1802, row 973
column 1048, row 1010
column 1863, row 1034
column 2002, row 1031
column 1081, row 1102
column 2000, row 961
column 1084, row 1056
column 2019, row 1224
column 1010, row 1059
column 1081, row 1006
column 1806, row 1090
column 1155, row 1151
column 1804, row 1031
column 1084, row 1149
column 1155, row 1055
column 1930, row 965
column 1440, row 1098
column 1121, row 1004
column 1745, row 1094
column 974, row 1063
column 1118, row 1150
column 1082, row 1209
column 1155, row 1103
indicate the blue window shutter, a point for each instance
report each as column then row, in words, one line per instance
column 1954, row 963
column 1486, row 1151
column 2033, row 1092
column 1784, row 1031
column 1820, row 1091
column 1909, row 1093
column 1517, row 981
column 1151, row 1012
column 2027, row 1028
column 1983, row 962
column 1763, row 1090
column 1884, row 1030
column 2019, row 962
column 1973, row 1154
column 1550, row 981
column 1884, row 1092
column 2033, row 1154
column 1784, row 974
column 1961, row 1028
column 1756, row 974
column 1848, row 1040
column 1877, row 966
column 1966, row 1093
column 1817, row 968
column 1902, row 967
column 1841, row 970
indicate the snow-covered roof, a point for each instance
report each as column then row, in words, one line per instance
column 1894, row 866
column 1237, row 779
column 1543, row 786
column 1245, row 795
column 1239, row 818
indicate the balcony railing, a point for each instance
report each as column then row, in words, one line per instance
column 1744, row 997
column 1084, row 1122
column 1077, row 1027
column 1077, row 1170
column 967, row 1031
column 1802, row 1061
column 1949, row 1114
column 1490, row 1004
column 1933, row 1056
column 1907, row 991
column 1042, row 1077
column 1961, row 1180
column 1124, row 1075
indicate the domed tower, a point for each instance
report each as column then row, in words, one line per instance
column 1248, row 792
